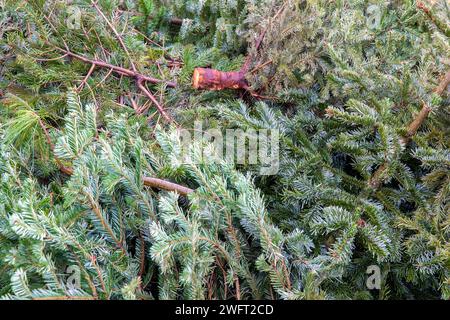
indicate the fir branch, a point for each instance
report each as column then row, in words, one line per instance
column 377, row 178
column 148, row 181
column 98, row 213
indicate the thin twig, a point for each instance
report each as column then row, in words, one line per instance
column 98, row 212
column 133, row 103
column 52, row 59
column 94, row 3
column 161, row 110
column 142, row 257
column 91, row 69
column 260, row 39
column 261, row 66
column 238, row 288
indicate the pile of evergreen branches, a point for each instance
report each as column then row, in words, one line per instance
column 96, row 201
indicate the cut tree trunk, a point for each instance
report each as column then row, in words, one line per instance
column 211, row 79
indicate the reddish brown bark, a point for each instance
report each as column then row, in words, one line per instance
column 117, row 69
column 211, row 79
column 443, row 84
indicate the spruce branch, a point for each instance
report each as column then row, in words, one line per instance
column 98, row 271
column 172, row 20
column 442, row 26
column 377, row 178
column 61, row 166
column 148, row 181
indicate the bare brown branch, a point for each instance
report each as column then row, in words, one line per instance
column 141, row 86
column 443, row 84
column 139, row 78
column 117, row 69
column 166, row 185
column 91, row 69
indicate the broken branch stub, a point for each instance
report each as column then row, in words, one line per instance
column 211, row 79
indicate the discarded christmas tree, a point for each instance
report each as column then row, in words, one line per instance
column 102, row 198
